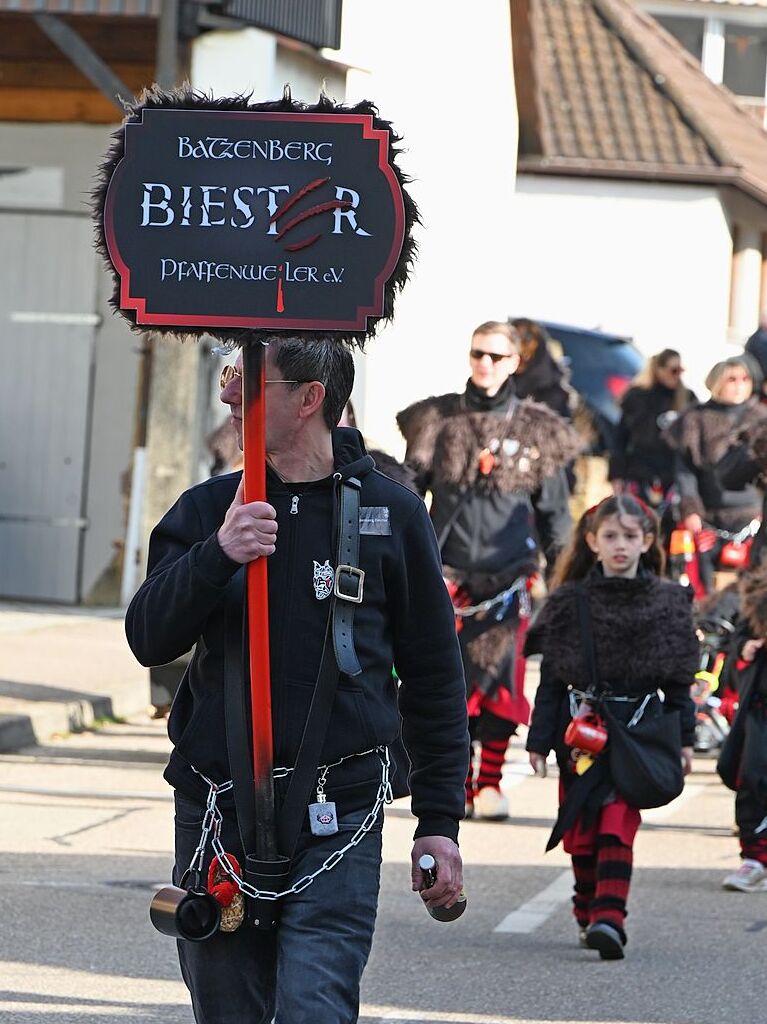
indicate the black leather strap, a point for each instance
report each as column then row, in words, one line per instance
column 350, row 579
column 291, row 815
column 587, row 635
column 236, row 709
column 338, row 636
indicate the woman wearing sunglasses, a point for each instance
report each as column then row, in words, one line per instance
column 700, row 437
column 641, row 462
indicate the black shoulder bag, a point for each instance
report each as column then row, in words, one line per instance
column 645, row 750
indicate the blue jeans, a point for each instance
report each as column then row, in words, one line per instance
column 308, row 970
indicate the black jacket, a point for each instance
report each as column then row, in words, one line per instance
column 404, row 620
column 639, row 451
column 743, row 465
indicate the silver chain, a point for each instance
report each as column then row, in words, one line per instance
column 214, row 819
column 504, row 598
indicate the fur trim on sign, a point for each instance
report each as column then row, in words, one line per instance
column 536, row 445
column 753, row 593
column 187, row 98
column 643, row 633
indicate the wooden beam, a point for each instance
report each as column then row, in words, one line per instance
column 113, row 39
column 85, row 58
column 86, row 105
column 62, row 74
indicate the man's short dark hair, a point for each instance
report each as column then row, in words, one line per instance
column 324, row 359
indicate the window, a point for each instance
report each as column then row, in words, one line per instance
column 745, row 59
column 689, row 32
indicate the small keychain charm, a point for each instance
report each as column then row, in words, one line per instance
column 583, row 764
column 323, row 820
column 486, row 462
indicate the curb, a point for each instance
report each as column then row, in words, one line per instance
column 25, row 723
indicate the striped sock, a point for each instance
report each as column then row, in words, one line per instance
column 614, row 863
column 493, row 754
column 585, row 872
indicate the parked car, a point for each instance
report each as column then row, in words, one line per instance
column 602, row 367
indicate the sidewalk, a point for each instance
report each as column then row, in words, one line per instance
column 60, row 668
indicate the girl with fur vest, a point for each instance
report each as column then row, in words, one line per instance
column 700, row 437
column 743, row 760
column 644, row 640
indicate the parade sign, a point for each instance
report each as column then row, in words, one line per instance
column 254, row 219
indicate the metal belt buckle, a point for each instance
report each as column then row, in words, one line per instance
column 357, row 575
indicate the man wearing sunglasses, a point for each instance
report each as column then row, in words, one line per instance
column 495, row 468
column 310, row 967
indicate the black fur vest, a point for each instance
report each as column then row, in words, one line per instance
column 444, row 440
column 643, row 634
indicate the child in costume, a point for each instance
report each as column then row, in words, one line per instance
column 743, row 761
column 643, row 640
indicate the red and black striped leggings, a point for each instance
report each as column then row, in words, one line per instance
column 602, row 881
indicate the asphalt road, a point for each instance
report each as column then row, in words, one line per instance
column 85, row 836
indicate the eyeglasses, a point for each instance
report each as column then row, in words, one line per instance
column 230, row 372
column 496, row 357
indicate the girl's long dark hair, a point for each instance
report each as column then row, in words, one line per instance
column 577, row 558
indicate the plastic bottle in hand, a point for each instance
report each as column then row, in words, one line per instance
column 428, row 865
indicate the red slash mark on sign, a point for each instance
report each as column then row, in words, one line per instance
column 280, row 297
column 299, row 218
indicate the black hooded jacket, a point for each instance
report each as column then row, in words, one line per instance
column 405, row 620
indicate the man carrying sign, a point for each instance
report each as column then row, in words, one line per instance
column 309, row 967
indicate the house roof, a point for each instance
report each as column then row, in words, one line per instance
column 730, row 3
column 604, row 91
column 113, row 8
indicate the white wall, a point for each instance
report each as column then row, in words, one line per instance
column 442, row 74
column 251, row 61
column 651, row 261
column 72, row 153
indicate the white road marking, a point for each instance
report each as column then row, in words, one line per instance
column 371, row 1014
column 661, row 813
column 532, row 914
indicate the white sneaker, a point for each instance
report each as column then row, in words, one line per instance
column 751, row 876
column 491, row 804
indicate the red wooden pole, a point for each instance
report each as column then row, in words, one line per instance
column 254, row 472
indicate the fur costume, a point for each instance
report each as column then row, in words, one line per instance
column 654, row 612
column 701, row 436
column 703, row 433
column 644, row 640
column 757, row 443
column 444, row 439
